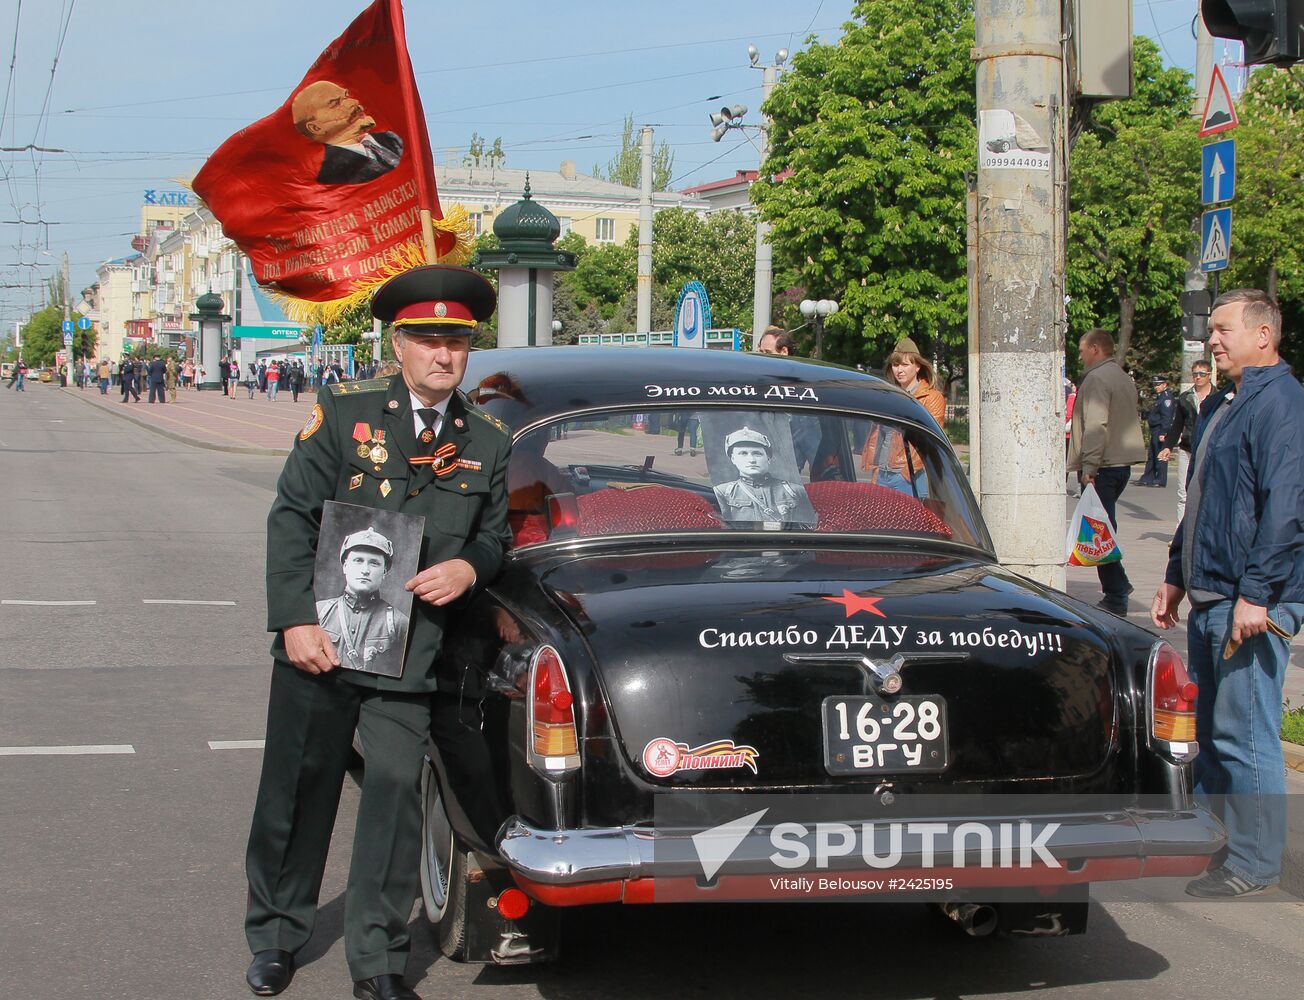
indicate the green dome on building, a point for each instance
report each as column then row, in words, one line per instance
column 526, row 225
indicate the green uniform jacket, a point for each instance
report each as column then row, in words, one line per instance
column 465, row 512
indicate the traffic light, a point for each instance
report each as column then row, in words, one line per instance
column 1272, row 30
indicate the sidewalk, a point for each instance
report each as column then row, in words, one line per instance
column 208, row 419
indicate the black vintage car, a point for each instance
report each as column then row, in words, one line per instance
column 752, row 595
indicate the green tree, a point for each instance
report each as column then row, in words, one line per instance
column 626, row 167
column 719, row 251
column 1267, row 251
column 1134, row 189
column 43, row 335
column 603, row 275
column 878, row 132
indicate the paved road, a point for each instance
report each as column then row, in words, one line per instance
column 121, row 872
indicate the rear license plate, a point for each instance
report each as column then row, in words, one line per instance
column 864, row 735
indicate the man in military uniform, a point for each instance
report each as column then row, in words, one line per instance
column 365, row 630
column 756, row 495
column 408, row 443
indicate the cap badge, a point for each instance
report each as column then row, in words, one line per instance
column 441, row 310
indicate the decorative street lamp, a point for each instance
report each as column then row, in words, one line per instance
column 816, row 312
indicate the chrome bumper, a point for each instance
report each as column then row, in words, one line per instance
column 622, row 853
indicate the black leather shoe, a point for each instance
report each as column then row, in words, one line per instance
column 270, row 972
column 387, row 987
column 1114, row 607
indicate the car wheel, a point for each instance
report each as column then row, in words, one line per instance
column 443, row 871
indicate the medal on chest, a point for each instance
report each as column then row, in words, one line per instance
column 371, row 443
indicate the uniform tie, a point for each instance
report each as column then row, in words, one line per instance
column 429, row 415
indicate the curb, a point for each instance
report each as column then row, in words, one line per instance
column 233, row 449
column 1294, row 754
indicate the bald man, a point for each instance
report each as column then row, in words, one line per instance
column 327, row 113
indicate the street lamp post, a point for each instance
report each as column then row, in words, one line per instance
column 731, row 117
column 816, row 312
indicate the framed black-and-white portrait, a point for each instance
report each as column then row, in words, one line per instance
column 364, row 557
column 753, row 470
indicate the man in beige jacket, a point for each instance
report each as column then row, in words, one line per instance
column 1104, row 443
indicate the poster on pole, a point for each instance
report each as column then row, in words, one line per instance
column 1006, row 141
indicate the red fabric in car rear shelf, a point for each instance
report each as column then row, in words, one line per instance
column 868, row 507
column 645, row 508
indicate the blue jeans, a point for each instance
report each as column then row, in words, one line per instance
column 271, row 389
column 893, row 480
column 1238, row 725
column 1111, row 481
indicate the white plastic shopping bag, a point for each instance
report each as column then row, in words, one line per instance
column 1092, row 539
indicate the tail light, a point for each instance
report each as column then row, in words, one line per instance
column 554, row 742
column 1172, row 696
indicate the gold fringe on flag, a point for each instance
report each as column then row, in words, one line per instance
column 399, row 259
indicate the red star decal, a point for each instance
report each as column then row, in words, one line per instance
column 854, row 603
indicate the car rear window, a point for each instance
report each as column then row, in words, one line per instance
column 730, row 469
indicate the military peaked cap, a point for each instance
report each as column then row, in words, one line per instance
column 435, row 300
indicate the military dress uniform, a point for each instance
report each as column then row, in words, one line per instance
column 366, row 630
column 1159, row 418
column 312, row 717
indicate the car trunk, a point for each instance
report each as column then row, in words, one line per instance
column 716, row 663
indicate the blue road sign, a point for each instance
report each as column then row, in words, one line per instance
column 84, row 323
column 1218, row 172
column 1215, row 239
column 67, row 326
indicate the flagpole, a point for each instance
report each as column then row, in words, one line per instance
column 428, row 236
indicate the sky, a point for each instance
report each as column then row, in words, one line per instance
column 135, row 95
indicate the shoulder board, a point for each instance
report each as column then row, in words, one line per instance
column 368, row 385
column 475, row 411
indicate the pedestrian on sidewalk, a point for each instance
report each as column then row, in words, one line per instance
column 127, row 379
column 170, row 378
column 273, row 381
column 262, row 376
column 1104, row 443
column 296, row 380
column 1182, row 429
column 187, row 374
column 252, row 379
column 1238, row 555
column 105, row 373
column 235, row 378
column 1159, row 418
column 18, row 380
column 142, row 371
column 224, row 374
column 157, row 375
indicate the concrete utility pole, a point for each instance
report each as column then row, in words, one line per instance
column 1021, row 191
column 763, row 295
column 644, row 312
column 67, row 315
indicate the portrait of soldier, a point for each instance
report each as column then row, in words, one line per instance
column 327, row 113
column 758, row 494
column 367, row 631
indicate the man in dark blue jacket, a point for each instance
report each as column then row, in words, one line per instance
column 1239, row 556
column 1159, row 418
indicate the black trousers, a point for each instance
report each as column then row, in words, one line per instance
column 129, row 388
column 310, row 725
column 1156, row 472
column 156, row 389
column 1110, row 484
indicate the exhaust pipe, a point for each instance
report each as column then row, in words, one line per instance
column 977, row 919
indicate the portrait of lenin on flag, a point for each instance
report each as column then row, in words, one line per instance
column 327, row 113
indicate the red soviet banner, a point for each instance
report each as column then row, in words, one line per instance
column 327, row 194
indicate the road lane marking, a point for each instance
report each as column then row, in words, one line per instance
column 235, row 744
column 169, row 600
column 50, row 604
column 104, row 748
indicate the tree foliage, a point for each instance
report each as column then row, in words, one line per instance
column 1134, row 188
column 878, row 132
column 1267, row 247
column 626, row 167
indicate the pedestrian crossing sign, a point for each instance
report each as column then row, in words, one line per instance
column 1215, row 239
